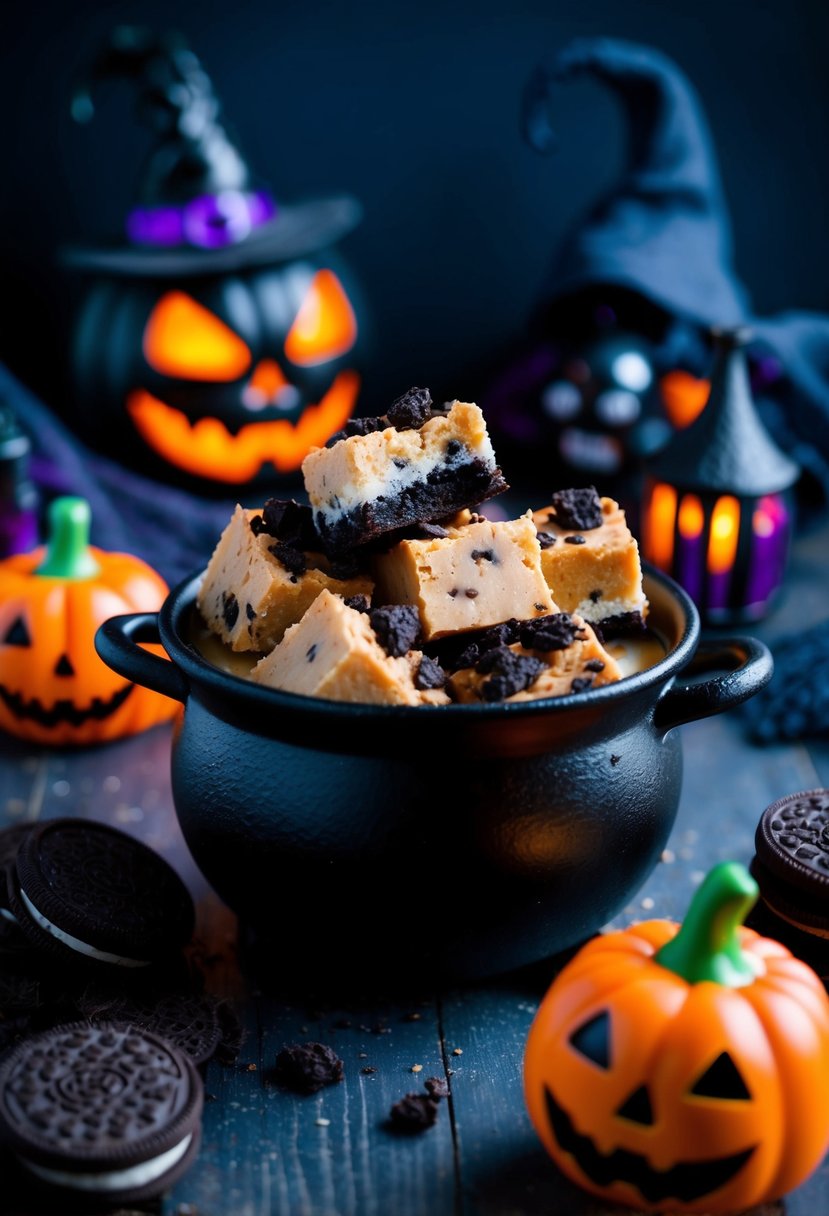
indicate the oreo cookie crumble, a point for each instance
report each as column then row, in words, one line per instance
column 578, row 509
column 294, row 560
column 430, row 674
column 545, row 633
column 307, row 1067
column 397, row 627
column 289, row 521
column 508, row 673
column 411, row 410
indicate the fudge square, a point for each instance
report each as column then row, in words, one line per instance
column 249, row 596
column 367, row 485
column 478, row 574
column 591, row 560
column 551, row 657
column 334, row 652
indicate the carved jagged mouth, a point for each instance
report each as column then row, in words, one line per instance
column 63, row 711
column 207, row 448
column 684, row 1182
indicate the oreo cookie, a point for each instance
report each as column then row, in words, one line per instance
column 110, row 1113
column 11, row 937
column 90, row 893
column 791, row 867
column 188, row 1020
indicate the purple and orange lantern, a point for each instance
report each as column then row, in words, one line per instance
column 716, row 513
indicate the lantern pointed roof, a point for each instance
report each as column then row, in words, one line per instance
column 727, row 449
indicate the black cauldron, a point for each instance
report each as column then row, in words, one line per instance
column 473, row 838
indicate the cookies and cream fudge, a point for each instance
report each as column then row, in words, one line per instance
column 259, row 582
column 591, row 561
column 551, row 656
column 472, row 576
column 367, row 484
column 341, row 653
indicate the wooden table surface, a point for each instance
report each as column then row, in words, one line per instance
column 268, row 1151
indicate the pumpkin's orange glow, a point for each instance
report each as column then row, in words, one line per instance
column 325, row 326
column 267, row 379
column 725, row 527
column 182, row 338
column 659, row 535
column 206, row 447
column 691, row 517
column 684, row 396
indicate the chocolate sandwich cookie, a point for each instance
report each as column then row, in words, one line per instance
column 88, row 892
column 110, row 1113
column 791, row 866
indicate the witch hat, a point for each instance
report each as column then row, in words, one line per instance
column 663, row 230
column 199, row 209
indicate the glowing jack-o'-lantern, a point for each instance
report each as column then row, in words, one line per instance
column 684, row 1069
column 223, row 343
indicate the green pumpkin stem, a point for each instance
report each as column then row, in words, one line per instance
column 67, row 553
column 707, row 946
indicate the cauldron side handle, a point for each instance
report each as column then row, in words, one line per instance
column 749, row 667
column 117, row 643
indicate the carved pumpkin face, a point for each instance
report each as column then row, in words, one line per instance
column 659, row 1094
column 53, row 687
column 226, row 379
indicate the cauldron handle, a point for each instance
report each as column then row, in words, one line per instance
column 749, row 667
column 116, row 641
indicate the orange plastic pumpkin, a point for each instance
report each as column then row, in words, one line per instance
column 53, row 687
column 684, row 1068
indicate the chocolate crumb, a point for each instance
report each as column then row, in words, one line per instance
column 311, row 653
column 413, row 1113
column 400, row 462
column 360, row 603
column 430, row 674
column 508, row 673
column 230, row 609
column 576, row 539
column 307, row 1067
column 287, row 520
column 594, row 665
column 357, row 426
column 410, row 411
column 367, row 1070
column 437, row 1088
column 596, row 595
column 484, row 555
column 546, row 539
column 250, row 612
column 614, row 760
column 553, row 632
column 293, row 560
column 257, row 525
column 471, row 593
column 397, row 627
column 581, row 683
column 489, row 639
column 452, row 448
column 580, row 509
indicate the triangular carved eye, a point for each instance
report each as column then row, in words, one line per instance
column 18, row 634
column 63, row 667
column 637, row 1108
column 721, row 1080
column 325, row 326
column 592, row 1040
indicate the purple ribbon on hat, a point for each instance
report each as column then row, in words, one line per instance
column 209, row 221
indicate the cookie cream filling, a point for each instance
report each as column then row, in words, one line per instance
column 75, row 943
column 113, row 1180
column 601, row 610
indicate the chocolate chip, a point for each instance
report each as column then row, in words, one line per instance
column 307, row 1067
column 580, row 683
column 594, row 665
column 410, row 411
column 294, row 560
column 230, row 609
column 437, row 1088
column 471, row 593
column 596, row 595
column 414, row 1113
column 360, row 603
column 257, row 525
column 397, row 627
column 484, row 555
column 292, row 522
column 508, row 673
column 453, row 593
column 429, row 674
column 546, row 539
column 452, row 448
column 311, row 653
column 250, row 612
column 553, row 632
column 578, row 508
column 575, row 540
column 399, row 462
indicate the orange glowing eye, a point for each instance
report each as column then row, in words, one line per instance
column 684, row 396
column 183, row 338
column 325, row 325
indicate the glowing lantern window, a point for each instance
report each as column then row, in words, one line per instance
column 325, row 326
column 183, row 338
column 715, row 510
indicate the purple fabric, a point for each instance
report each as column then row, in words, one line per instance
column 175, row 532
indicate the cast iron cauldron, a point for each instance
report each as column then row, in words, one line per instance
column 476, row 838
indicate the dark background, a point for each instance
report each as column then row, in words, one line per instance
column 414, row 109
